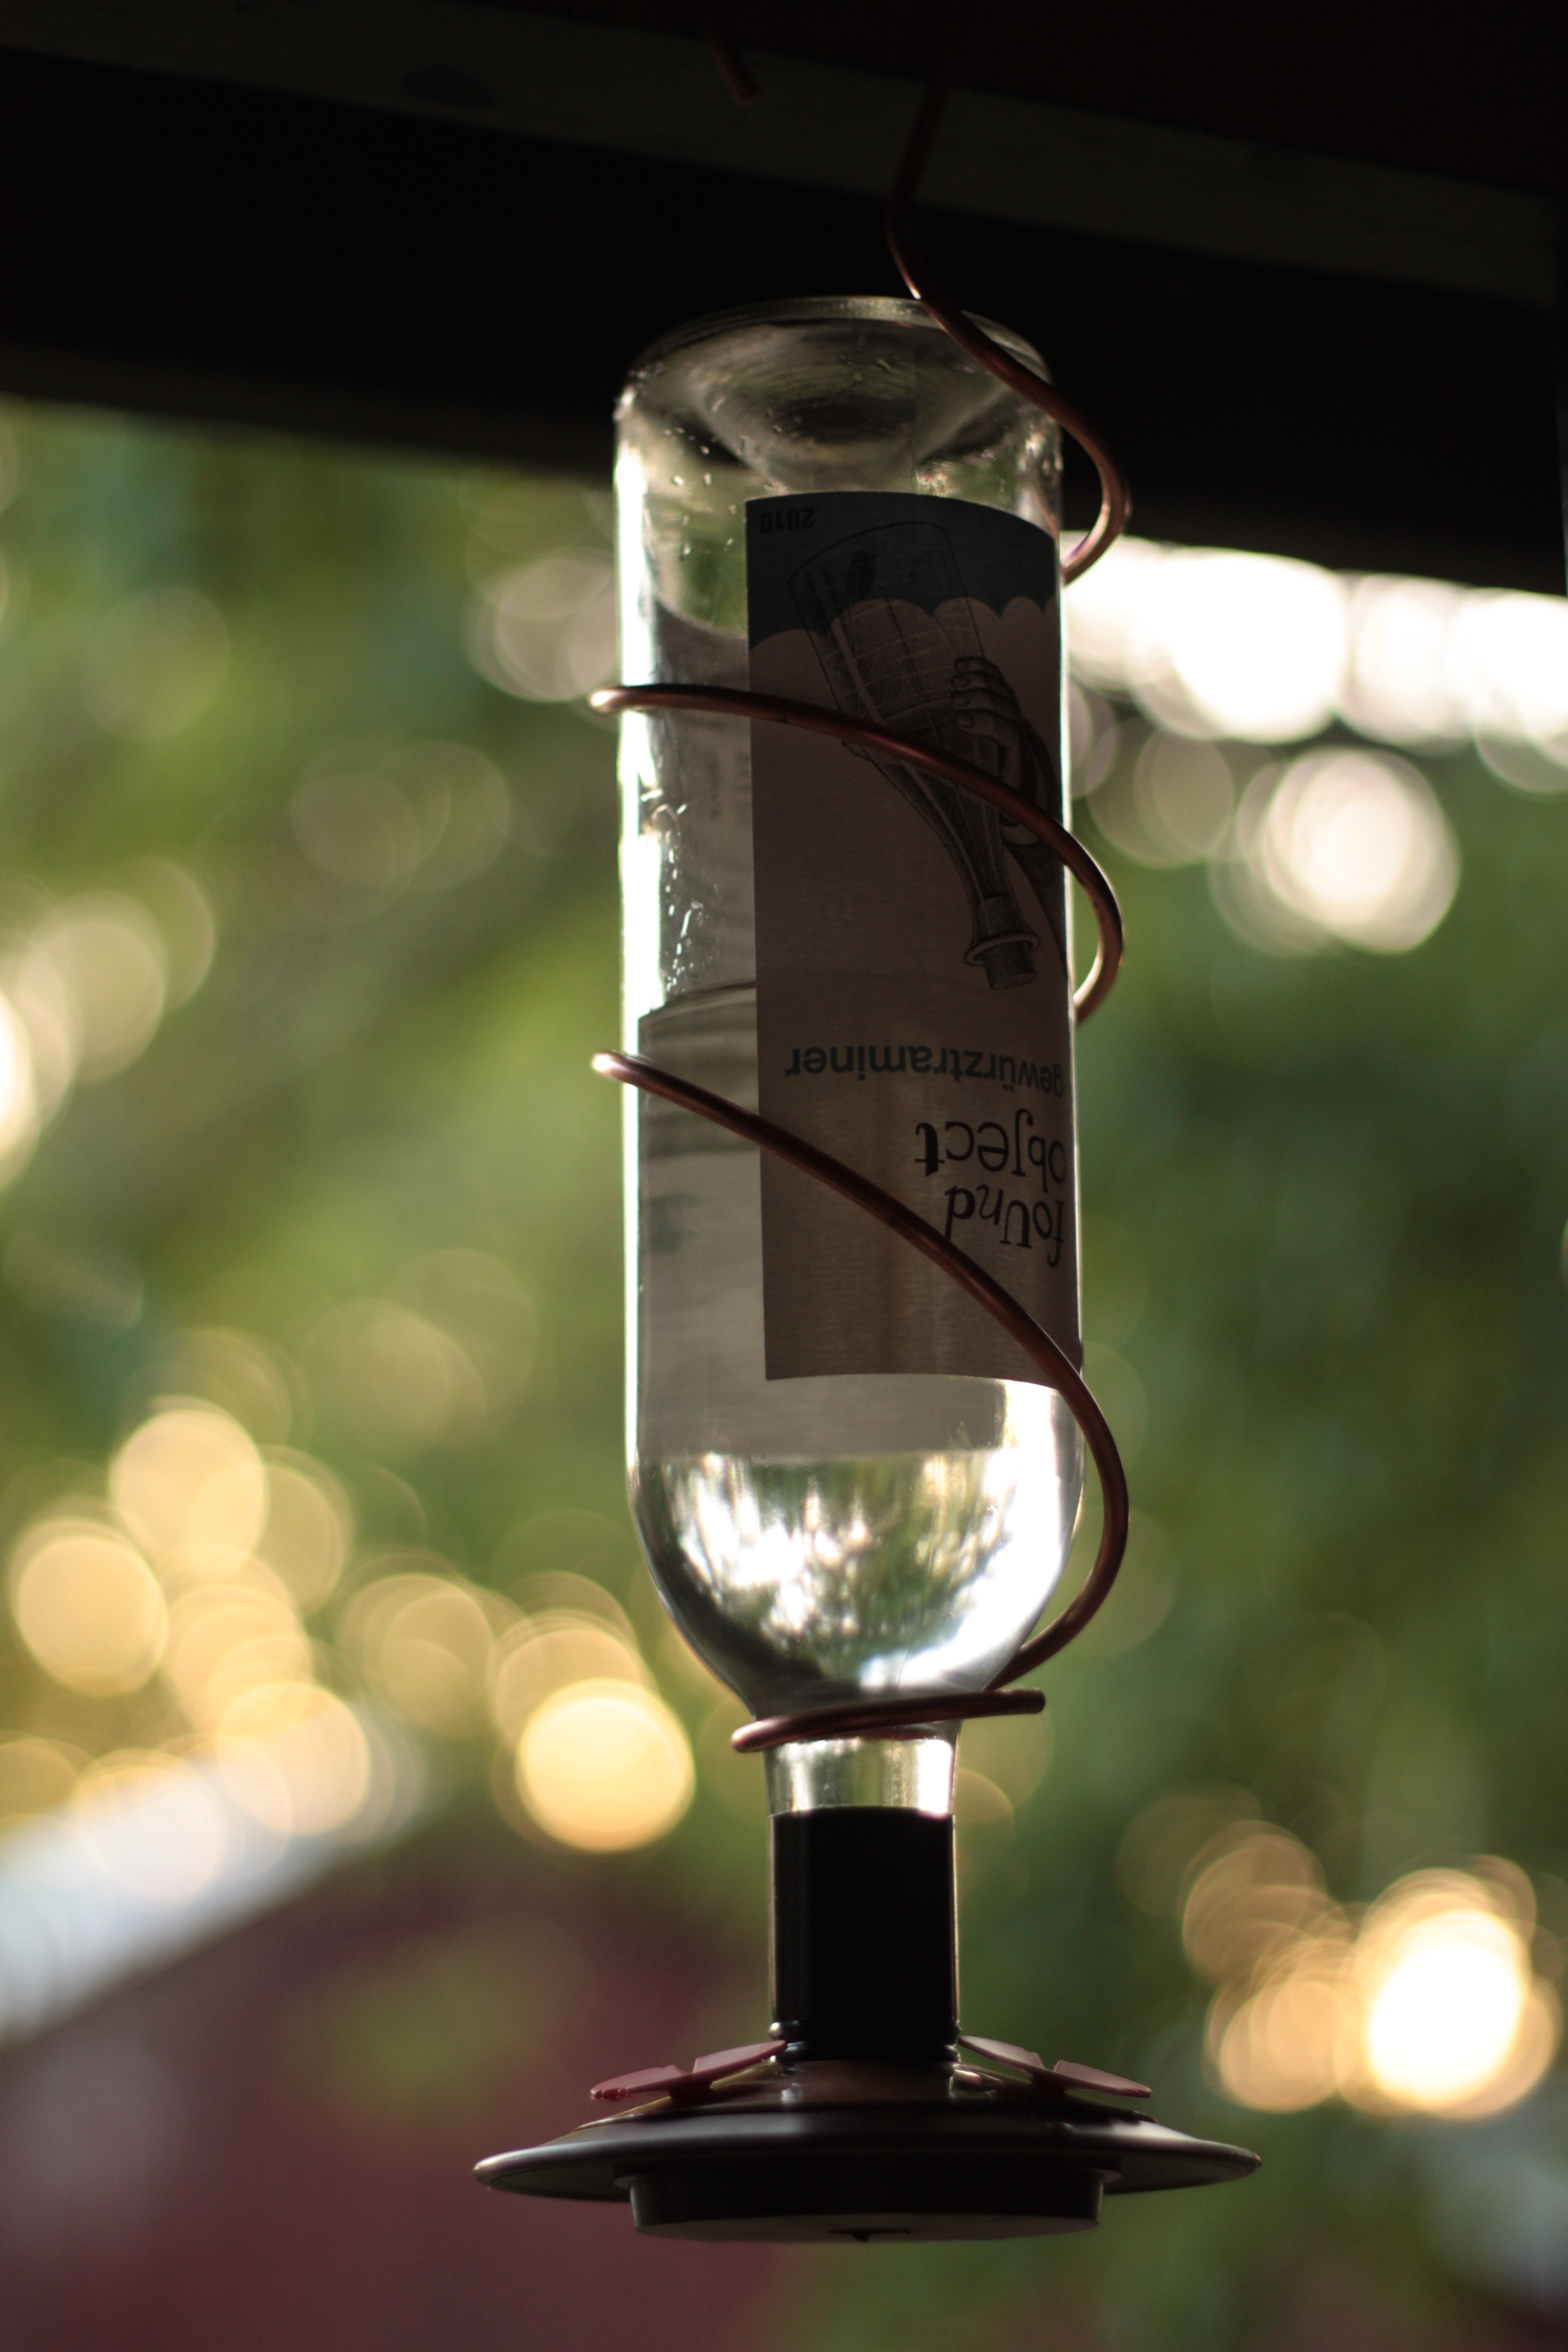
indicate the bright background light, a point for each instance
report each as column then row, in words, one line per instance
column 1426, row 2003
column 1264, row 650
column 1356, row 845
column 604, row 1766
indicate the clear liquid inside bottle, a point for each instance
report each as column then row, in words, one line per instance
column 814, row 1539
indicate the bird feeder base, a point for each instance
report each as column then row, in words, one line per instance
column 833, row 2150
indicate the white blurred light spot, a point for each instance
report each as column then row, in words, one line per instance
column 1354, row 846
column 1430, row 2006
column 1266, row 649
column 154, row 1828
column 107, row 955
column 1109, row 618
column 1211, row 643
column 232, row 1637
column 604, row 1766
column 1397, row 686
column 88, row 1606
column 1447, row 2009
column 49, row 1014
column 1288, row 2046
column 1508, row 660
column 547, row 631
column 1184, row 796
column 1256, row 642
column 155, row 663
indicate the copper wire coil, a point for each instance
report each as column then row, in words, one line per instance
column 734, row 702
column 875, row 1719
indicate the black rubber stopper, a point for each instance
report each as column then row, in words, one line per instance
column 864, row 1935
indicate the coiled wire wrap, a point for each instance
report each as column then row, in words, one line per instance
column 890, row 1718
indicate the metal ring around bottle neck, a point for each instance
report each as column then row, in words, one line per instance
column 914, row 1775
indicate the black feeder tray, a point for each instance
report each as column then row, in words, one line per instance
column 867, row 2115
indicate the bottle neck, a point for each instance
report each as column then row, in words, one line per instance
column 864, row 1932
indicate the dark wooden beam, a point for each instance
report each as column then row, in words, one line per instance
column 233, row 254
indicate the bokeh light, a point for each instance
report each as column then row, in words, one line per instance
column 1429, row 2003
column 1255, row 1895
column 36, row 1775
column 1456, row 2020
column 394, row 1381
column 546, row 1653
column 18, row 1091
column 1254, row 645
column 1509, row 663
column 1259, row 649
column 315, row 1744
column 1210, row 642
column 108, row 955
column 604, row 1766
column 87, row 1605
column 1293, row 2042
column 192, row 1487
column 1398, row 687
column 309, row 1527
column 1184, row 795
column 424, row 1641
column 547, row 630
column 154, row 1828
column 1345, row 844
column 228, row 1638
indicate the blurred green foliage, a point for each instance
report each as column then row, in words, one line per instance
column 1324, row 1198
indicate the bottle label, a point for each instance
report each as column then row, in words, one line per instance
column 913, row 954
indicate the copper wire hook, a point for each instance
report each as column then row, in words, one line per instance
column 1115, row 496
column 737, row 79
column 1115, row 499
